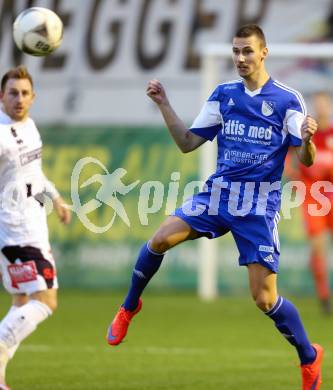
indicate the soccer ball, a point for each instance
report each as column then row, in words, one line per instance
column 38, row 31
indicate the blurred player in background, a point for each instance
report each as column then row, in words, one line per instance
column 27, row 266
column 322, row 170
column 255, row 120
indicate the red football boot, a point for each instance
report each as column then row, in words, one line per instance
column 311, row 373
column 118, row 328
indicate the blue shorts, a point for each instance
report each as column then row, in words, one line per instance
column 256, row 236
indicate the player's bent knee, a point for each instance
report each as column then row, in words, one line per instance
column 159, row 243
column 49, row 300
column 53, row 305
column 264, row 303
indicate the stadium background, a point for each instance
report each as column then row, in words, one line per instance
column 91, row 103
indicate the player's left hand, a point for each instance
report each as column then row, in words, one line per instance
column 63, row 211
column 308, row 129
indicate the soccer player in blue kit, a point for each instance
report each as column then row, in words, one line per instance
column 255, row 119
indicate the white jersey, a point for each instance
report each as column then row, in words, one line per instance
column 22, row 216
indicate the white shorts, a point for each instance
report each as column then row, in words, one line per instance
column 27, row 269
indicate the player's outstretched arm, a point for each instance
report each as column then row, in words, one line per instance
column 307, row 152
column 61, row 208
column 63, row 211
column 185, row 139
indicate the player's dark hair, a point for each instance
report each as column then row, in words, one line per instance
column 20, row 72
column 248, row 30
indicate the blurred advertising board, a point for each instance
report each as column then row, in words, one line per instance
column 112, row 48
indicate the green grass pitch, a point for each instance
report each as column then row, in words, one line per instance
column 176, row 342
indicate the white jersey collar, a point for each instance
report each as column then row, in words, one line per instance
column 252, row 93
column 5, row 119
column 256, row 91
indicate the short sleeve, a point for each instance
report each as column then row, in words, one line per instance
column 295, row 116
column 209, row 121
column 50, row 189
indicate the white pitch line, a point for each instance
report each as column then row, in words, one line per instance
column 36, row 348
column 173, row 351
column 154, row 350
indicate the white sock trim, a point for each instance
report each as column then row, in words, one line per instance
column 41, row 305
column 275, row 307
column 153, row 252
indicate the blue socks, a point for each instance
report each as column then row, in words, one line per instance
column 288, row 322
column 283, row 313
column 146, row 266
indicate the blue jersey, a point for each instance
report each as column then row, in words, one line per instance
column 254, row 130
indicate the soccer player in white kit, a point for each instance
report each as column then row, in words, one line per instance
column 26, row 263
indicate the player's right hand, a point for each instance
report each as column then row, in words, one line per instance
column 156, row 92
column 309, row 128
column 63, row 211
